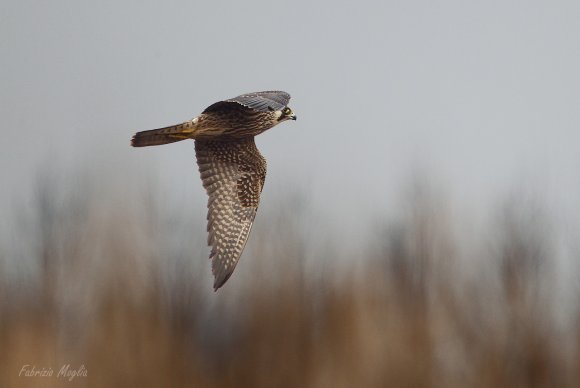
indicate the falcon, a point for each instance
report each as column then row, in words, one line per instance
column 232, row 169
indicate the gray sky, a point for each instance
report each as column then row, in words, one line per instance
column 482, row 95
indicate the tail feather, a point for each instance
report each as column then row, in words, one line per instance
column 164, row 135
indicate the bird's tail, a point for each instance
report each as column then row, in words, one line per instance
column 164, row 135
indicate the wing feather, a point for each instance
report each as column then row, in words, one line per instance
column 233, row 174
column 258, row 101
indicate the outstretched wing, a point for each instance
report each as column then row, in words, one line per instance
column 233, row 175
column 258, row 101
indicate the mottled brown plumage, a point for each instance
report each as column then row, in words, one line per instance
column 232, row 169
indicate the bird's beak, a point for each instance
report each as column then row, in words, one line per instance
column 293, row 116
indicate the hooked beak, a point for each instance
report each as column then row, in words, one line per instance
column 292, row 116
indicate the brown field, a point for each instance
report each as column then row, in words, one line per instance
column 123, row 289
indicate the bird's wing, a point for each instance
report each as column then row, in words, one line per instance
column 258, row 101
column 233, row 174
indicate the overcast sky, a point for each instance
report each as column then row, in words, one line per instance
column 480, row 95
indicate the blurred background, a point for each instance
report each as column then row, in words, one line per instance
column 419, row 226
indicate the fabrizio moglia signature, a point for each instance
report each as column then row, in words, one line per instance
column 65, row 372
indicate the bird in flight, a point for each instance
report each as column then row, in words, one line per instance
column 232, row 169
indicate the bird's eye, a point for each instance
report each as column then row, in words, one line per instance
column 286, row 111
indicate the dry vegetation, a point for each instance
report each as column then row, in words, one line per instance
column 125, row 292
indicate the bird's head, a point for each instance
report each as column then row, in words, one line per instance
column 285, row 114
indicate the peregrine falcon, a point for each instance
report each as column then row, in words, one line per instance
column 232, row 169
